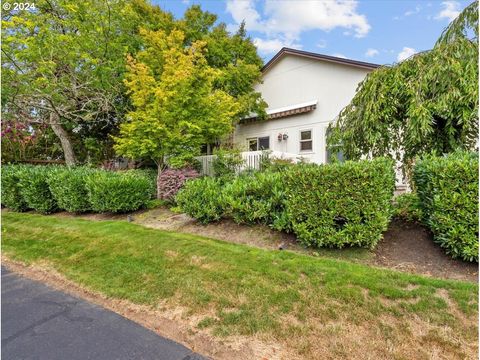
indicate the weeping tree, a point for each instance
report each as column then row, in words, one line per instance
column 425, row 104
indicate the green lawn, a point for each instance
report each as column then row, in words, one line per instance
column 241, row 290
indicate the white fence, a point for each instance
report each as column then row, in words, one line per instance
column 251, row 160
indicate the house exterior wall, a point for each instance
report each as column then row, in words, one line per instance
column 294, row 80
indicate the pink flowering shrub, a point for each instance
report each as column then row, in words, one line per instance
column 172, row 180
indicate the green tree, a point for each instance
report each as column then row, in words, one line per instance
column 427, row 103
column 63, row 63
column 177, row 107
column 234, row 54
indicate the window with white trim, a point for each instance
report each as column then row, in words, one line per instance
column 306, row 141
column 334, row 152
column 258, row 143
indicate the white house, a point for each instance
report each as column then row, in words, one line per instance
column 304, row 92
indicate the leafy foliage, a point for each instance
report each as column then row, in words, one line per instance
column 33, row 183
column 68, row 188
column 63, row 65
column 202, row 199
column 117, row 192
column 338, row 205
column 11, row 190
column 171, row 181
column 227, row 163
column 407, row 207
column 426, row 103
column 448, row 191
column 257, row 198
column 176, row 106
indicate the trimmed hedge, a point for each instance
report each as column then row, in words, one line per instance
column 68, row 187
column 117, row 192
column 172, row 180
column 344, row 204
column 33, row 183
column 407, row 207
column 448, row 191
column 79, row 189
column 202, row 199
column 257, row 198
column 11, row 195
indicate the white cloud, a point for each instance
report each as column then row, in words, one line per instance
column 413, row 12
column 339, row 55
column 450, row 10
column 322, row 44
column 271, row 46
column 287, row 19
column 371, row 52
column 405, row 53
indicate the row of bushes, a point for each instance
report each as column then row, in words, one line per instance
column 50, row 188
column 447, row 189
column 333, row 205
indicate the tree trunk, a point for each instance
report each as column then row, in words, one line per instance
column 69, row 155
column 160, row 167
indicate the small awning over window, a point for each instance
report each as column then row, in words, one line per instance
column 284, row 111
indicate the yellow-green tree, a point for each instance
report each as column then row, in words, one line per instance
column 176, row 106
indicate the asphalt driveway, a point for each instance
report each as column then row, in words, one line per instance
column 39, row 322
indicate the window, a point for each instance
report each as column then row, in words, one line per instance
column 334, row 152
column 306, row 142
column 260, row 143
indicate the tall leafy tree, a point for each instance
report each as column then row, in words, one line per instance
column 63, row 63
column 427, row 103
column 176, row 105
column 234, row 54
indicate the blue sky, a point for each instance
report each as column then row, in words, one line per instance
column 378, row 31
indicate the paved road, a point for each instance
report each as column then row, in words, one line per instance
column 41, row 323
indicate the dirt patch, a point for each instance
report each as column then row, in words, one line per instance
column 172, row 323
column 410, row 247
column 405, row 247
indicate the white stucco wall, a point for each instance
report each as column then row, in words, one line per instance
column 294, row 80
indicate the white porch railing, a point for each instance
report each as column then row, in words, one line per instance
column 251, row 160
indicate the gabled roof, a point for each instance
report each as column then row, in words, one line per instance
column 315, row 56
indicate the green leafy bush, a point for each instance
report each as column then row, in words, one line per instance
column 448, row 191
column 202, row 199
column 257, row 198
column 33, row 183
column 68, row 187
column 344, row 204
column 150, row 175
column 117, row 192
column 407, row 207
column 11, row 195
column 227, row 163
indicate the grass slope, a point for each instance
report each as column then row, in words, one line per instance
column 300, row 301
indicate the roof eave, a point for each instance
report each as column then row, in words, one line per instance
column 328, row 58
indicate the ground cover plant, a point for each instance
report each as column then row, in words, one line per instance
column 448, row 191
column 318, row 308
